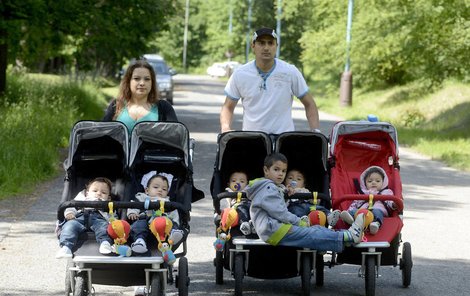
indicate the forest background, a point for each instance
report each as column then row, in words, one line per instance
column 409, row 60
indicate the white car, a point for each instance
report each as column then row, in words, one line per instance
column 220, row 69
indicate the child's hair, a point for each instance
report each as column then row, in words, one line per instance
column 300, row 172
column 158, row 176
column 238, row 172
column 272, row 158
column 100, row 180
column 373, row 170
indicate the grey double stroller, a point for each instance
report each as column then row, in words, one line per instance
column 104, row 149
column 248, row 255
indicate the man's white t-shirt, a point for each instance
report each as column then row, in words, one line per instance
column 267, row 102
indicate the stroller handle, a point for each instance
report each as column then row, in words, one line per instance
column 397, row 200
column 104, row 206
column 233, row 195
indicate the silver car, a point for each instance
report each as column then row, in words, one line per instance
column 164, row 76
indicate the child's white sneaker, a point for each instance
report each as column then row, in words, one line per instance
column 252, row 225
column 333, row 218
column 357, row 228
column 64, row 252
column 176, row 235
column 374, row 227
column 245, row 228
column 139, row 246
column 105, row 248
column 346, row 217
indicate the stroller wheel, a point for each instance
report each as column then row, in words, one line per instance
column 156, row 284
column 370, row 275
column 68, row 284
column 81, row 284
column 219, row 268
column 406, row 263
column 239, row 273
column 319, row 271
column 182, row 281
column 306, row 273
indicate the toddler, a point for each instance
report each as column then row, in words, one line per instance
column 155, row 190
column 277, row 226
column 78, row 221
column 295, row 183
column 373, row 180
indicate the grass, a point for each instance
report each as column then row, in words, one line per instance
column 37, row 114
column 434, row 123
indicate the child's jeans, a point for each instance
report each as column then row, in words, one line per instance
column 140, row 229
column 84, row 221
column 243, row 210
column 315, row 237
column 378, row 215
column 302, row 208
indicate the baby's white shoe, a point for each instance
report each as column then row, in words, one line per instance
column 64, row 252
column 105, row 248
column 374, row 227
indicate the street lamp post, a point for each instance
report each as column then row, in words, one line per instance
column 345, row 90
column 185, row 36
column 278, row 29
column 248, row 39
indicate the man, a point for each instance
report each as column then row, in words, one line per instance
column 266, row 86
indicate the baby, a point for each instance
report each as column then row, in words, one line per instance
column 79, row 221
column 156, row 190
column 295, row 183
column 373, row 180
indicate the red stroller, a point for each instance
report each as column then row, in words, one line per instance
column 356, row 145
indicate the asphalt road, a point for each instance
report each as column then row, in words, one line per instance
column 437, row 223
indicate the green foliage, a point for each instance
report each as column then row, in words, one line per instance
column 393, row 42
column 37, row 116
column 85, row 36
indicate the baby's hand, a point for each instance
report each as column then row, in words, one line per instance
column 304, row 221
column 70, row 216
column 391, row 204
column 133, row 216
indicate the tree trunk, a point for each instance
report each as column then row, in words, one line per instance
column 3, row 60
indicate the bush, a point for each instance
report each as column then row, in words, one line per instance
column 37, row 116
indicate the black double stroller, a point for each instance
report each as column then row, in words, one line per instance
column 103, row 149
column 248, row 255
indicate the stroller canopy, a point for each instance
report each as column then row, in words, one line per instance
column 172, row 134
column 85, row 130
column 357, row 127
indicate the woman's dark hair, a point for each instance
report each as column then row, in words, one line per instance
column 272, row 158
column 125, row 94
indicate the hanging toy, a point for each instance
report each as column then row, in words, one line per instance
column 316, row 217
column 119, row 231
column 368, row 215
column 167, row 253
column 122, row 250
column 161, row 229
column 229, row 219
column 219, row 243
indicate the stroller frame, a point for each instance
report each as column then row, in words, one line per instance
column 295, row 145
column 355, row 145
column 88, row 266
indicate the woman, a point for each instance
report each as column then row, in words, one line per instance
column 138, row 98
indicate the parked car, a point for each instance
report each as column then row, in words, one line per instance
column 164, row 76
column 222, row 69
